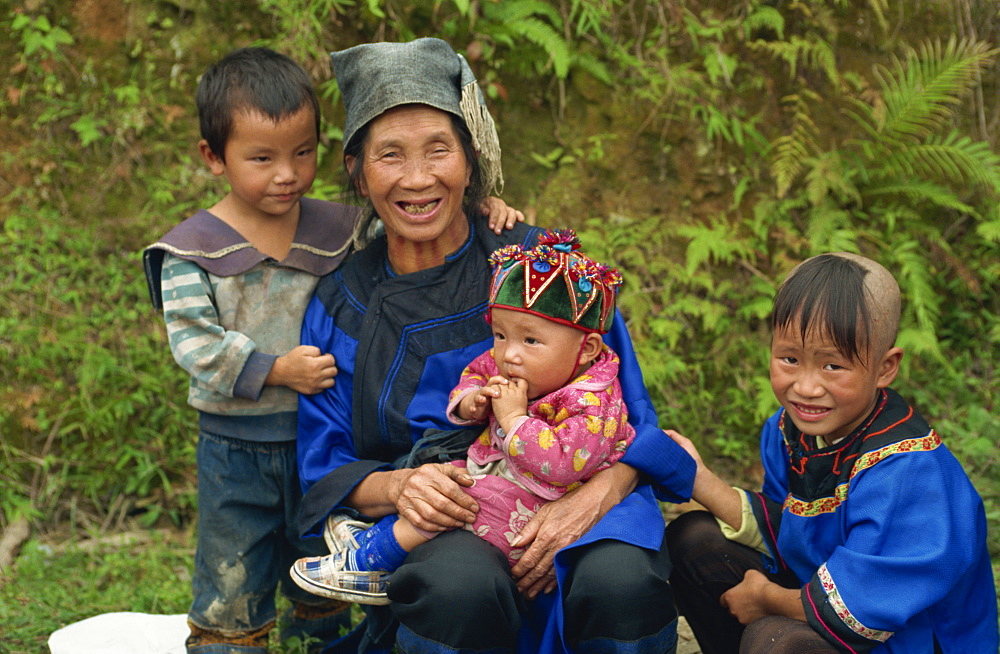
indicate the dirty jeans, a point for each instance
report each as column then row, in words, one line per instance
column 248, row 493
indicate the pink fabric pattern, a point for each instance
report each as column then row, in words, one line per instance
column 567, row 436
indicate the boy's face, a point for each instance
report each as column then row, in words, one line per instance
column 541, row 352
column 269, row 165
column 825, row 393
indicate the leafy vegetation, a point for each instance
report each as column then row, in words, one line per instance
column 703, row 146
column 109, row 577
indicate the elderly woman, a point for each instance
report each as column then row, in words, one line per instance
column 403, row 316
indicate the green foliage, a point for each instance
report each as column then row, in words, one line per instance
column 51, row 589
column 73, row 387
column 703, row 147
column 38, row 34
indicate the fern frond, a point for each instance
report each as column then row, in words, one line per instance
column 512, row 11
column 593, row 66
column 717, row 242
column 589, row 16
column 533, row 21
column 765, row 17
column 921, row 93
column 920, row 343
column 989, row 230
column 813, row 53
column 953, row 157
column 916, row 279
column 921, row 190
column 828, row 176
column 879, row 8
column 544, row 35
column 793, row 150
column 829, row 229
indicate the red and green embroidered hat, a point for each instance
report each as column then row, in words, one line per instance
column 556, row 281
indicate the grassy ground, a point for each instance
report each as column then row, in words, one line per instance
column 55, row 584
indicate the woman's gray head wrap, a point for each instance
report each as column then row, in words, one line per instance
column 376, row 77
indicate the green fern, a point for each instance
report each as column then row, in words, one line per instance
column 953, row 158
column 764, row 18
column 921, row 93
column 919, row 192
column 513, row 23
column 593, row 66
column 793, row 150
column 813, row 53
column 715, row 242
column 913, row 273
column 829, row 176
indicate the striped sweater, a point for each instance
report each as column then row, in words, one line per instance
column 230, row 311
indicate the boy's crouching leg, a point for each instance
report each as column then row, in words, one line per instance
column 780, row 635
column 618, row 599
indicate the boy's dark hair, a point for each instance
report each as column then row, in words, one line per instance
column 250, row 79
column 827, row 293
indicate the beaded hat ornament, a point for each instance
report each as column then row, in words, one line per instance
column 556, row 281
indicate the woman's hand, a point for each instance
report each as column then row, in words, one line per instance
column 562, row 522
column 500, row 216
column 431, row 496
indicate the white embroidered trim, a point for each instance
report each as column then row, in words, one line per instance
column 837, row 604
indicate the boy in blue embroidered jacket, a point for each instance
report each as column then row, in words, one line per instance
column 234, row 282
column 868, row 535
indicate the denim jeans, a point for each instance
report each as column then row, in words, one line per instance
column 248, row 493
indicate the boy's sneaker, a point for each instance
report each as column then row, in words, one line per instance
column 331, row 576
column 339, row 531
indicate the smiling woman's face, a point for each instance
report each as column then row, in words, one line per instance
column 415, row 173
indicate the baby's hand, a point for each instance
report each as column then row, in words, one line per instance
column 305, row 369
column 475, row 406
column 500, row 216
column 511, row 402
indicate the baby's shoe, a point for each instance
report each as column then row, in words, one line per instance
column 332, row 576
column 339, row 532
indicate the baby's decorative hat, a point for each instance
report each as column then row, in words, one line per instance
column 555, row 281
column 375, row 77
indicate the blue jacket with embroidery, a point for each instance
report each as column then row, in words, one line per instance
column 884, row 530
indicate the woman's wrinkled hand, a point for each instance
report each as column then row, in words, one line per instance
column 562, row 522
column 556, row 525
column 432, row 498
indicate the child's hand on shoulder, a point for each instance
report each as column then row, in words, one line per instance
column 305, row 370
column 500, row 216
